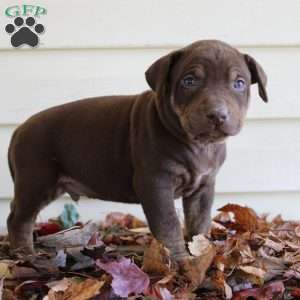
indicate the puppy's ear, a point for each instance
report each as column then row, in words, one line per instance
column 158, row 73
column 258, row 76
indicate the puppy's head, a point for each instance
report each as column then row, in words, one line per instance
column 207, row 86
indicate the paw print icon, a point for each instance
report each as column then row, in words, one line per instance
column 24, row 32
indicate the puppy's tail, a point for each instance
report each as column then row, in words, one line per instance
column 10, row 165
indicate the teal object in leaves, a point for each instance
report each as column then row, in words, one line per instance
column 69, row 217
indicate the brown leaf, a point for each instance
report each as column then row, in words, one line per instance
column 218, row 231
column 68, row 289
column 293, row 271
column 256, row 275
column 216, row 282
column 291, row 257
column 194, row 268
column 276, row 246
column 5, row 270
column 274, row 266
column 123, row 220
column 11, row 270
column 186, row 294
column 245, row 217
column 156, row 259
column 8, row 295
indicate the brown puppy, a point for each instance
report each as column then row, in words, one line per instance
column 148, row 148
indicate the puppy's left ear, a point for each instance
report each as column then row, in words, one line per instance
column 258, row 76
column 158, row 74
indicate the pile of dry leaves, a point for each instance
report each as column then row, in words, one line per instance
column 252, row 258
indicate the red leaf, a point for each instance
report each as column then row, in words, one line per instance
column 270, row 291
column 47, row 228
column 296, row 293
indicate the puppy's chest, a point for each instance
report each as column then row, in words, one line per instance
column 196, row 172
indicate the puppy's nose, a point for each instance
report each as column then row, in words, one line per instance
column 218, row 116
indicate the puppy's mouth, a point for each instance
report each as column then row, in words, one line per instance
column 214, row 133
column 217, row 135
column 206, row 132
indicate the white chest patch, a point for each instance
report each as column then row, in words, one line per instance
column 199, row 177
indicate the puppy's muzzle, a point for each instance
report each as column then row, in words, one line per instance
column 218, row 116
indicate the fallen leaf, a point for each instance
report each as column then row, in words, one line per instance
column 245, row 217
column 124, row 220
column 293, row 271
column 159, row 293
column 247, row 256
column 42, row 229
column 8, row 295
column 59, row 286
column 5, row 268
column 72, row 237
column 156, row 258
column 258, row 272
column 276, row 246
column 74, row 289
column 128, row 278
column 81, row 261
column 227, row 291
column 140, row 230
column 11, row 270
column 186, row 294
column 199, row 245
column 31, row 288
column 95, row 241
column 271, row 291
column 194, row 267
column 274, row 266
column 216, row 282
column 296, row 293
column 166, row 279
column 60, row 260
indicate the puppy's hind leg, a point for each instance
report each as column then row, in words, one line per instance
column 35, row 187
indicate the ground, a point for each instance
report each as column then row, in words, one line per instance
column 245, row 256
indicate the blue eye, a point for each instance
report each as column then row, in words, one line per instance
column 239, row 85
column 189, row 81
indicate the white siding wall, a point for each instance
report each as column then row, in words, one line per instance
column 100, row 47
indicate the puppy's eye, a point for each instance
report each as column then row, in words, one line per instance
column 189, row 81
column 239, row 85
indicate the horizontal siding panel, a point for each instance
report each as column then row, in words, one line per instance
column 32, row 81
column 135, row 23
column 6, row 186
column 263, row 158
column 271, row 203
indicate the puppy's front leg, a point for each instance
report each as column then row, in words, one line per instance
column 197, row 210
column 156, row 194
